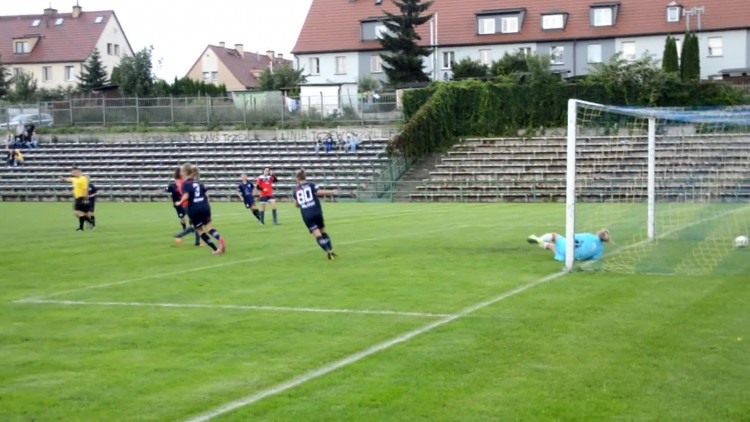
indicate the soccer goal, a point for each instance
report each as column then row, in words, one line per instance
column 671, row 185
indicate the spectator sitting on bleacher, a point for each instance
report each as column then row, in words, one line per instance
column 329, row 143
column 318, row 145
column 352, row 142
column 29, row 136
column 15, row 157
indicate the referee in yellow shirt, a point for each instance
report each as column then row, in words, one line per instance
column 80, row 195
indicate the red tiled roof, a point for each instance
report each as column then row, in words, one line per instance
column 72, row 41
column 245, row 68
column 334, row 25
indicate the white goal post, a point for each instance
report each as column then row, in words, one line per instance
column 673, row 175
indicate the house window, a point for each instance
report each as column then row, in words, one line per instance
column 602, row 16
column 22, row 47
column 715, row 46
column 509, row 25
column 117, row 49
column 376, row 64
column 110, row 49
column 556, row 21
column 314, row 66
column 594, row 53
column 448, row 58
column 214, row 76
column 341, row 65
column 36, row 22
column 206, row 76
column 486, row 26
column 485, row 56
column 673, row 14
column 17, row 71
column 59, row 21
column 69, row 74
column 379, row 31
column 526, row 51
column 557, row 54
column 628, row 50
column 46, row 73
column 99, row 19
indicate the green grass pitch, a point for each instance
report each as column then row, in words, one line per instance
column 118, row 324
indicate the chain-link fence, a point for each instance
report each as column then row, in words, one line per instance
column 241, row 109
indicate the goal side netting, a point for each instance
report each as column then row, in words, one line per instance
column 671, row 185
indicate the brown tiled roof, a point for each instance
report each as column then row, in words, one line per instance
column 246, row 68
column 72, row 41
column 334, row 25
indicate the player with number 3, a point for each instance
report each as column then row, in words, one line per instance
column 306, row 199
column 198, row 208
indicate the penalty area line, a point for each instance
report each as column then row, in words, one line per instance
column 358, row 356
column 231, row 307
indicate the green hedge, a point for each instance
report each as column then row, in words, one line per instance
column 438, row 115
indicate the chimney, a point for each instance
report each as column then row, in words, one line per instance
column 270, row 54
column 280, row 56
column 50, row 11
column 77, row 9
column 222, row 44
column 240, row 49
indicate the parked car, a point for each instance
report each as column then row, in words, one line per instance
column 39, row 120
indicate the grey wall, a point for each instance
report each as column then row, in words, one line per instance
column 544, row 49
column 364, row 65
column 582, row 54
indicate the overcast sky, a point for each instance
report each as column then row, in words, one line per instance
column 180, row 30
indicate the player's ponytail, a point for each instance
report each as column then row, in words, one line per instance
column 604, row 235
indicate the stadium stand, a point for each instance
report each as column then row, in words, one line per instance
column 140, row 170
column 533, row 170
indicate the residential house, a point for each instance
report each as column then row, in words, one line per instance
column 574, row 33
column 237, row 69
column 53, row 46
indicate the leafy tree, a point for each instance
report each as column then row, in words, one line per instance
column 367, row 84
column 24, row 87
column 670, row 61
column 186, row 87
column 94, row 74
column 690, row 65
column 135, row 74
column 4, row 82
column 637, row 82
column 54, row 94
column 468, row 68
column 403, row 61
column 283, row 77
column 510, row 64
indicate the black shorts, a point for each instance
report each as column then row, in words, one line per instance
column 81, row 205
column 92, row 204
column 200, row 217
column 249, row 201
column 180, row 211
column 265, row 199
column 314, row 222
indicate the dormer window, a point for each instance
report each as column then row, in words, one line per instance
column 604, row 14
column 674, row 11
column 507, row 21
column 36, row 22
column 22, row 47
column 59, row 21
column 554, row 21
column 372, row 29
column 99, row 19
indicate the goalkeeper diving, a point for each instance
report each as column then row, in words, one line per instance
column 588, row 246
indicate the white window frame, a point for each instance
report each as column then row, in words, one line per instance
column 99, row 19
column 214, row 76
column 59, row 21
column 117, row 50
column 629, row 55
column 110, row 48
column 46, row 73
column 600, row 13
column 376, row 64
column 526, row 51
column 673, row 14
column 553, row 52
column 716, row 50
column 24, row 47
column 314, row 63
column 70, row 74
column 487, row 25
column 448, row 58
column 17, row 71
column 340, row 62
column 510, row 24
column 36, row 22
column 485, row 56
column 590, row 56
column 380, row 30
column 553, row 21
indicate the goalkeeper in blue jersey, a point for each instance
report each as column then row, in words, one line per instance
column 588, row 246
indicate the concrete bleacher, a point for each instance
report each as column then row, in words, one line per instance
column 140, row 170
column 609, row 169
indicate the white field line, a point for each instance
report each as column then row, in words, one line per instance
column 232, row 307
column 356, row 357
column 235, row 262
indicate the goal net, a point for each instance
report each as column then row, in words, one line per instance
column 671, row 185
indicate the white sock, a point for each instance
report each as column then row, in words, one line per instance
column 547, row 237
column 543, row 245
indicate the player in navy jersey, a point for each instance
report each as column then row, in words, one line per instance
column 92, row 204
column 245, row 192
column 306, row 199
column 198, row 207
column 175, row 190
